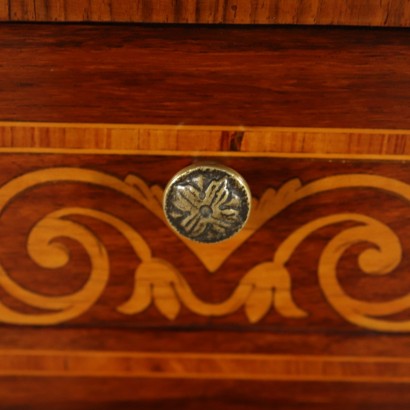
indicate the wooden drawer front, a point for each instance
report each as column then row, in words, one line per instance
column 94, row 284
column 102, row 306
column 84, row 242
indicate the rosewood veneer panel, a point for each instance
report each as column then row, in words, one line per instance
column 338, row 12
column 303, row 77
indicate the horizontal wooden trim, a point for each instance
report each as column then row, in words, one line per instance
column 183, row 75
column 343, row 12
column 200, row 154
column 191, row 127
column 199, row 140
column 38, row 363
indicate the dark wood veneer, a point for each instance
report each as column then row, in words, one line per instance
column 339, row 12
column 269, row 76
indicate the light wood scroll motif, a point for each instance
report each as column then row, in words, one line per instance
column 267, row 285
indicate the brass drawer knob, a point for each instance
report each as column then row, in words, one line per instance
column 207, row 202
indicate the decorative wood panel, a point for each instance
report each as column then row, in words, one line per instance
column 94, row 287
column 340, row 12
column 274, row 77
column 327, row 207
column 103, row 306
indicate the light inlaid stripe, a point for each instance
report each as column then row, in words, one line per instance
column 54, row 363
column 239, row 140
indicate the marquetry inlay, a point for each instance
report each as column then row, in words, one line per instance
column 267, row 286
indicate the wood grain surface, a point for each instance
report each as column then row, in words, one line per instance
column 213, row 140
column 275, row 77
column 99, row 364
column 337, row 12
column 103, row 307
column 128, row 394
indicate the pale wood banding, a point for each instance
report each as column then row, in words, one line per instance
column 54, row 363
column 197, row 139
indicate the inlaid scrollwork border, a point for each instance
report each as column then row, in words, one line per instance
column 267, row 285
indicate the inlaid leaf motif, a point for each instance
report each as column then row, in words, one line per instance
column 271, row 283
column 166, row 300
column 141, row 297
column 283, row 300
column 149, row 197
column 258, row 304
column 287, row 191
